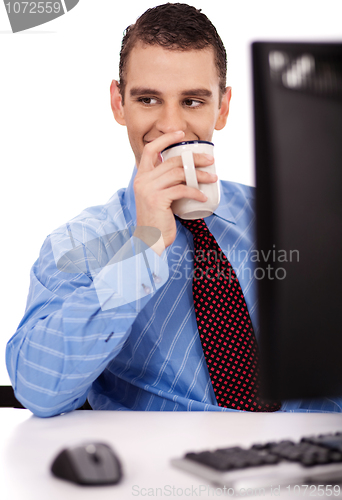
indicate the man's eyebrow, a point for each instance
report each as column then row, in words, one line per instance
column 200, row 92
column 197, row 92
column 135, row 91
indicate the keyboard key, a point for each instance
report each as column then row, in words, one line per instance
column 211, row 460
column 309, row 451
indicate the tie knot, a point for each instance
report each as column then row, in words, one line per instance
column 196, row 227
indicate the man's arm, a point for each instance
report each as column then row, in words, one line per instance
column 69, row 334
column 74, row 325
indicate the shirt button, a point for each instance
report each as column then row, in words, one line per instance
column 147, row 289
column 156, row 278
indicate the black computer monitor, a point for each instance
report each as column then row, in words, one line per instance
column 298, row 153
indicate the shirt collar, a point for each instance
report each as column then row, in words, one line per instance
column 222, row 210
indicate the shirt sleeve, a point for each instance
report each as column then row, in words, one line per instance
column 134, row 273
column 78, row 317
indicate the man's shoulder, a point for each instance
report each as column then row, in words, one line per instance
column 99, row 229
column 229, row 188
column 101, row 218
column 237, row 202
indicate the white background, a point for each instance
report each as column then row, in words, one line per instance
column 61, row 150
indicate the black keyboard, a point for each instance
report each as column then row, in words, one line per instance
column 313, row 459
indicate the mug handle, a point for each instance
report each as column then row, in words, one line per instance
column 189, row 169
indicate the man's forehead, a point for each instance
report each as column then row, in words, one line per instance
column 148, row 62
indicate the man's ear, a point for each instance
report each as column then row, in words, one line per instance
column 116, row 103
column 224, row 109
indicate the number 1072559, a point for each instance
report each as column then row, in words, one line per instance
column 314, row 490
column 33, row 7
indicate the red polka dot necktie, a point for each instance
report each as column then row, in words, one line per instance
column 224, row 325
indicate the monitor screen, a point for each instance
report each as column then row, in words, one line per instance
column 298, row 152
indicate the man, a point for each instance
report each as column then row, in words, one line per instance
column 110, row 313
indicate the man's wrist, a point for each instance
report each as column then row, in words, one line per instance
column 152, row 237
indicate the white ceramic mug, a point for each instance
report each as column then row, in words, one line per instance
column 187, row 208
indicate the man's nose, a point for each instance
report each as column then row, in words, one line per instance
column 171, row 119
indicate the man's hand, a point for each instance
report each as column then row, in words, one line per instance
column 157, row 185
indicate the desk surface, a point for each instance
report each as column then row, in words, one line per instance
column 145, row 443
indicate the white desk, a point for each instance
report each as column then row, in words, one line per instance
column 144, row 441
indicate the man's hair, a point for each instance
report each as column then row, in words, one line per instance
column 174, row 26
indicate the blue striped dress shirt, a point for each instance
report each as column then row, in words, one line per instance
column 122, row 330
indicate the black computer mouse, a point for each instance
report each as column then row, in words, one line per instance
column 88, row 464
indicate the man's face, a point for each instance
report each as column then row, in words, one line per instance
column 169, row 90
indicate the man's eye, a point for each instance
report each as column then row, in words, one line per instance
column 147, row 100
column 192, row 103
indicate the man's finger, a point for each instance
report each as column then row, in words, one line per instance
column 152, row 149
column 184, row 191
column 203, row 159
